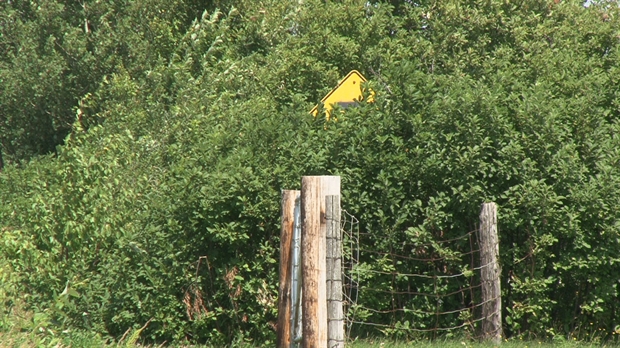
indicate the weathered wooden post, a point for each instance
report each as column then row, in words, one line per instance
column 313, row 246
column 490, row 274
column 335, row 315
column 283, row 339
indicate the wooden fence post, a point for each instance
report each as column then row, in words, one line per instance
column 283, row 339
column 335, row 315
column 490, row 273
column 313, row 255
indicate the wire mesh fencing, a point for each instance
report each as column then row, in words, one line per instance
column 413, row 285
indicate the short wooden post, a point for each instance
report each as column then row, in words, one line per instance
column 335, row 315
column 313, row 255
column 283, row 339
column 490, row 274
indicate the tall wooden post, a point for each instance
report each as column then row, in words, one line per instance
column 490, row 274
column 313, row 254
column 283, row 339
column 335, row 315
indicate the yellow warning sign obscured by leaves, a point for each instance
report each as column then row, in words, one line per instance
column 347, row 93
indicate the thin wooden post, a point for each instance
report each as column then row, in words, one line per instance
column 313, row 254
column 335, row 315
column 296, row 315
column 489, row 275
column 283, row 339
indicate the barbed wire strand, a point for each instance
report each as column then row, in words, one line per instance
column 414, row 293
column 468, row 323
column 435, row 241
column 367, row 251
column 417, row 311
column 414, row 275
column 393, row 327
column 413, row 329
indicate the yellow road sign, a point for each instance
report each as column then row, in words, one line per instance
column 347, row 93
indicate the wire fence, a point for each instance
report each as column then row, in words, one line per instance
column 420, row 286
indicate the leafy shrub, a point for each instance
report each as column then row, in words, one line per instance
column 164, row 209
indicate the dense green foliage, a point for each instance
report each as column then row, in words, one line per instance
column 54, row 54
column 162, row 203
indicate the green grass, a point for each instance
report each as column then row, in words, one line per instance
column 29, row 339
column 469, row 344
column 87, row 340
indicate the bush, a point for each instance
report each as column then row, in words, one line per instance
column 164, row 209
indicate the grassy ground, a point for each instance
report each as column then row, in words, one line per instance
column 86, row 340
column 468, row 344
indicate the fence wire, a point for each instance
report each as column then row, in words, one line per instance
column 350, row 261
column 415, row 290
